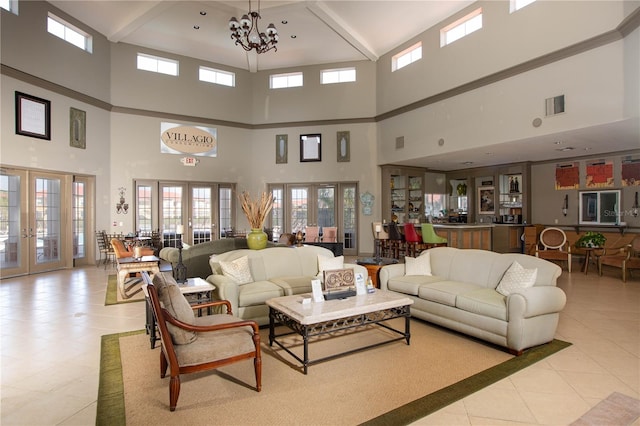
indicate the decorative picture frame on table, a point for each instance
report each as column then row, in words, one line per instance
column 282, row 149
column 486, row 200
column 33, row 116
column 311, row 147
column 77, row 128
column 344, row 147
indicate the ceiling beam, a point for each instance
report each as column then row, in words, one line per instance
column 152, row 10
column 333, row 21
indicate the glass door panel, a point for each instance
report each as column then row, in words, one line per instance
column 326, row 213
column 13, row 232
column 349, row 219
column 201, row 223
column 46, row 230
column 78, row 220
column 299, row 209
column 171, row 213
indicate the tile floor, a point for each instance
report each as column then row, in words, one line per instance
column 51, row 326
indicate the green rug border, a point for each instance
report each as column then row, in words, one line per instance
column 111, row 411
column 111, row 296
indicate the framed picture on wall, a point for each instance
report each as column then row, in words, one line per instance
column 486, row 200
column 344, row 148
column 311, row 147
column 33, row 116
column 77, row 128
column 282, row 149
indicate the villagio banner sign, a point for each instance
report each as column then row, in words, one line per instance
column 192, row 140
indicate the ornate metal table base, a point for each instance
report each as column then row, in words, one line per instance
column 313, row 330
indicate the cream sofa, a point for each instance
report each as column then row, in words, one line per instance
column 275, row 272
column 461, row 295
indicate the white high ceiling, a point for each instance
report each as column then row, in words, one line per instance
column 325, row 31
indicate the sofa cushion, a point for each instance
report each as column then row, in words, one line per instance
column 516, row 278
column 483, row 301
column 446, row 292
column 238, row 270
column 420, row 265
column 409, row 284
column 258, row 293
column 329, row 263
column 293, row 285
column 175, row 303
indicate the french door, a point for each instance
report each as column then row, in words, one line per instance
column 43, row 221
column 199, row 210
column 324, row 204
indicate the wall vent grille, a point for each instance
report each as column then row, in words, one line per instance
column 400, row 142
column 554, row 105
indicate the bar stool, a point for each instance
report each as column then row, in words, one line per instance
column 381, row 238
column 413, row 242
column 395, row 243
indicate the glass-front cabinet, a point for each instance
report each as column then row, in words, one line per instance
column 403, row 194
column 511, row 190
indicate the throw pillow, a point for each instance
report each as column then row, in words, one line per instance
column 174, row 301
column 326, row 263
column 516, row 278
column 238, row 270
column 420, row 265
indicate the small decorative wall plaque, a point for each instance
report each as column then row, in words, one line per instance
column 282, row 149
column 77, row 128
column 344, row 147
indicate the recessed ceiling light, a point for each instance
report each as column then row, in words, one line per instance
column 203, row 13
column 284, row 21
column 294, row 36
column 196, row 27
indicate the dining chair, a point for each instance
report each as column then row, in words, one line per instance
column 311, row 234
column 553, row 245
column 329, row 234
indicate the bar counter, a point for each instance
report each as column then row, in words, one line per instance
column 502, row 238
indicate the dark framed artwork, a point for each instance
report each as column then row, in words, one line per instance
column 311, row 147
column 282, row 149
column 33, row 116
column 77, row 128
column 344, row 147
column 486, row 200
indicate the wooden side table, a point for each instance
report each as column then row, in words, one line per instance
column 374, row 265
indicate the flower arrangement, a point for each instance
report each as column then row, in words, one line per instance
column 591, row 239
column 256, row 210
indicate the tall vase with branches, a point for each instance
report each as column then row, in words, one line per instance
column 256, row 212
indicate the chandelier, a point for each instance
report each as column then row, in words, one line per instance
column 246, row 32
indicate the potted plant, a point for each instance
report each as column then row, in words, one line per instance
column 256, row 212
column 591, row 239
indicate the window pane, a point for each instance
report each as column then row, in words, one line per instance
column 55, row 28
column 146, row 63
column 299, row 200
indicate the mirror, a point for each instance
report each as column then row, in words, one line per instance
column 600, row 207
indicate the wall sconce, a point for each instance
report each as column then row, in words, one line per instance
column 122, row 207
column 634, row 208
column 565, row 205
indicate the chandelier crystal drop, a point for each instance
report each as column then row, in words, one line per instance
column 246, row 33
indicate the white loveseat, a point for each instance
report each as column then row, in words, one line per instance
column 274, row 272
column 461, row 294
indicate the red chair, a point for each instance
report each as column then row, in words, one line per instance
column 413, row 241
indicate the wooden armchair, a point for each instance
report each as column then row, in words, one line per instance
column 553, row 245
column 191, row 344
column 626, row 257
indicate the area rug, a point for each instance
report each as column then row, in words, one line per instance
column 391, row 384
column 133, row 288
column 617, row 409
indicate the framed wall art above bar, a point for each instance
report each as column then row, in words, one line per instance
column 486, row 200
column 33, row 116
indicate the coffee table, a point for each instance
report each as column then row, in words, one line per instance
column 130, row 265
column 318, row 319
